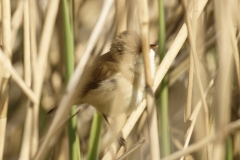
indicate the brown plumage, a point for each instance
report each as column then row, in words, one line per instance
column 116, row 84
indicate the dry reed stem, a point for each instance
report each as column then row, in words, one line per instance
column 16, row 21
column 33, row 43
column 188, row 107
column 151, row 107
column 235, row 52
column 17, row 78
column 6, row 43
column 231, row 127
column 193, row 119
column 132, row 16
column 189, row 131
column 44, row 45
column 6, row 28
column 174, row 49
column 196, row 67
column 152, row 125
column 121, row 15
column 25, row 151
column 74, row 82
column 224, row 79
column 34, row 65
column 144, row 29
column 26, row 140
column 36, row 77
column 26, row 43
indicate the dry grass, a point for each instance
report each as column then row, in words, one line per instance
column 202, row 60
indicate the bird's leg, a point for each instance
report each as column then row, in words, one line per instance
column 132, row 149
column 52, row 110
column 121, row 140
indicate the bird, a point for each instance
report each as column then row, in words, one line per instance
column 116, row 83
column 117, row 76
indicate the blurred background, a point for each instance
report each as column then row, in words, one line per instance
column 166, row 17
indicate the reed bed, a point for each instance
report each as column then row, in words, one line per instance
column 191, row 110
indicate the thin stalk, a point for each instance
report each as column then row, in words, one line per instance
column 95, row 133
column 17, row 20
column 162, row 30
column 229, row 149
column 188, row 107
column 193, row 118
column 4, row 79
column 69, row 43
column 26, row 140
column 164, row 119
column 163, row 99
column 121, row 15
column 223, row 91
column 148, row 68
column 44, row 46
column 69, row 64
column 196, row 68
column 35, row 76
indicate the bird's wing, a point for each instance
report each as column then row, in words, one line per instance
column 104, row 68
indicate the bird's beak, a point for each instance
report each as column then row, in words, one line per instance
column 152, row 46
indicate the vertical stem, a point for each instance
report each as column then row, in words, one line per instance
column 94, row 139
column 223, row 91
column 162, row 30
column 26, row 140
column 229, row 148
column 44, row 45
column 4, row 88
column 33, row 51
column 163, row 99
column 69, row 64
column 121, row 15
column 151, row 107
column 33, row 43
column 188, row 107
column 196, row 66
